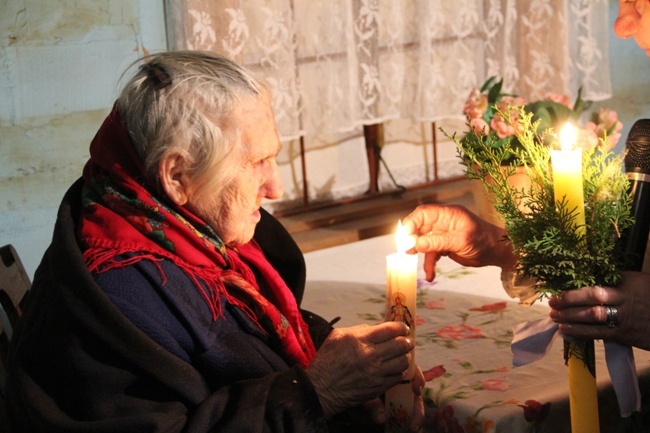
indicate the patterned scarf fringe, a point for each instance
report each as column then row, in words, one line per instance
column 102, row 259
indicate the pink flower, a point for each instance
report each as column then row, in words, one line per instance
column 476, row 104
column 513, row 101
column 495, row 384
column 502, row 369
column 439, row 304
column 497, row 306
column 500, row 126
column 508, row 105
column 479, row 126
column 434, row 372
column 609, row 118
column 460, row 332
column 608, row 124
column 419, row 320
column 559, row 98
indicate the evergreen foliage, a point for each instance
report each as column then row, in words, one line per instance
column 542, row 232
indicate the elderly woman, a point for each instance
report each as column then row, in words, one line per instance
column 169, row 300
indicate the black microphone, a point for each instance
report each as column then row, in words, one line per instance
column 637, row 167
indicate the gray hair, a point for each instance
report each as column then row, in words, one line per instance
column 183, row 102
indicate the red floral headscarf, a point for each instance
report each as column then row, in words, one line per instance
column 121, row 216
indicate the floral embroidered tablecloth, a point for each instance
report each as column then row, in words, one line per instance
column 463, row 343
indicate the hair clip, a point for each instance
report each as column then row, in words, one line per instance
column 158, row 75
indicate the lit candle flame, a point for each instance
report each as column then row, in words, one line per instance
column 567, row 137
column 403, row 241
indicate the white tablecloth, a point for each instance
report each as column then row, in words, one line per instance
column 464, row 328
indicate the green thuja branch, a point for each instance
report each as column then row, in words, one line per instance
column 542, row 231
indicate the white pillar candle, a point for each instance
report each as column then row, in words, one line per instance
column 401, row 293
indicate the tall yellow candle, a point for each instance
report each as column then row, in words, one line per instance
column 401, row 292
column 567, row 176
column 567, row 185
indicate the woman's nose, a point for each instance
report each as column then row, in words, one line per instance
column 273, row 188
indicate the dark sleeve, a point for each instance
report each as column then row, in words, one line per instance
column 278, row 402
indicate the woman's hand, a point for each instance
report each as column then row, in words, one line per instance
column 454, row 231
column 358, row 364
column 582, row 313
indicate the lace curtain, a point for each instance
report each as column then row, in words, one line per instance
column 334, row 65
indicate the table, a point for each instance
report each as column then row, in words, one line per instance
column 464, row 328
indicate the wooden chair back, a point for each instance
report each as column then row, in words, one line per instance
column 14, row 285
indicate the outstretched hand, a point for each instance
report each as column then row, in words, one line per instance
column 454, row 231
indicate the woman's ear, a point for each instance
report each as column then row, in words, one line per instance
column 173, row 178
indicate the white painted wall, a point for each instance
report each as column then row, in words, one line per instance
column 59, row 65
column 60, row 61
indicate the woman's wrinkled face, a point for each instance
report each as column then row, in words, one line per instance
column 234, row 211
column 633, row 20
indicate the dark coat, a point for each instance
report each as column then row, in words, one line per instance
column 77, row 363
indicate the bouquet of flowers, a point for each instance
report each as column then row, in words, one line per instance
column 485, row 109
column 542, row 230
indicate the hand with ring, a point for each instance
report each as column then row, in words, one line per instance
column 619, row 313
column 612, row 316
